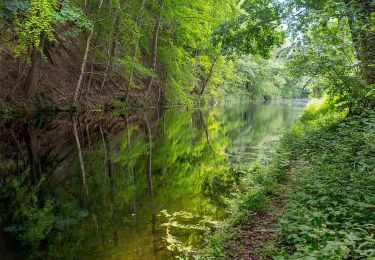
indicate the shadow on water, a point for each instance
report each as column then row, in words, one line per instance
column 146, row 186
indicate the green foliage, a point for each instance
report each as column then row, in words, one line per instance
column 260, row 78
column 197, row 50
column 35, row 22
column 196, row 158
column 327, row 52
column 177, row 96
column 33, row 219
column 211, row 48
column 7, row 113
column 327, row 160
column 256, row 30
column 318, row 108
column 136, row 67
column 73, row 15
column 261, row 183
column 259, row 186
column 11, row 9
column 186, row 51
column 35, row 27
column 330, row 212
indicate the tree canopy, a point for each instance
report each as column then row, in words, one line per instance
column 178, row 52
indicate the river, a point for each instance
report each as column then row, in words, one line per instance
column 149, row 185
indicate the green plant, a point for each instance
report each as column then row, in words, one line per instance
column 330, row 213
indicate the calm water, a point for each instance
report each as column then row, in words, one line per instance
column 144, row 186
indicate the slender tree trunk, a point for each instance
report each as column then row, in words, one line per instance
column 136, row 47
column 91, row 72
column 111, row 49
column 96, row 225
column 205, row 84
column 110, row 176
column 78, row 91
column 155, row 43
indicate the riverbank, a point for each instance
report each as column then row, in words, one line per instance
column 315, row 199
column 8, row 112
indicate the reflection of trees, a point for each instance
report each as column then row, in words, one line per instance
column 110, row 175
column 149, row 183
column 205, row 128
column 185, row 155
column 47, row 213
column 26, row 214
column 80, row 154
column 132, row 169
column 32, row 144
column 258, row 123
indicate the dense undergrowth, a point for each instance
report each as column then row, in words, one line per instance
column 331, row 211
column 327, row 163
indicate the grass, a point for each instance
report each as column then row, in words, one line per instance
column 324, row 172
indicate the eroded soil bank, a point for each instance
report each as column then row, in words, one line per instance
column 57, row 79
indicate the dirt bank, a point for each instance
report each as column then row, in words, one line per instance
column 59, row 73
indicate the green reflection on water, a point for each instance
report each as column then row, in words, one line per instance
column 148, row 187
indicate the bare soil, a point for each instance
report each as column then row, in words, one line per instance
column 256, row 239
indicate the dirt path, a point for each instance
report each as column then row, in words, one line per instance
column 257, row 238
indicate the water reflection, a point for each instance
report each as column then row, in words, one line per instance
column 146, row 186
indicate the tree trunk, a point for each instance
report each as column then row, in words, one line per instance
column 78, row 91
column 367, row 7
column 359, row 17
column 33, row 76
column 136, row 47
column 91, row 72
column 111, row 50
column 155, row 43
column 205, row 84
